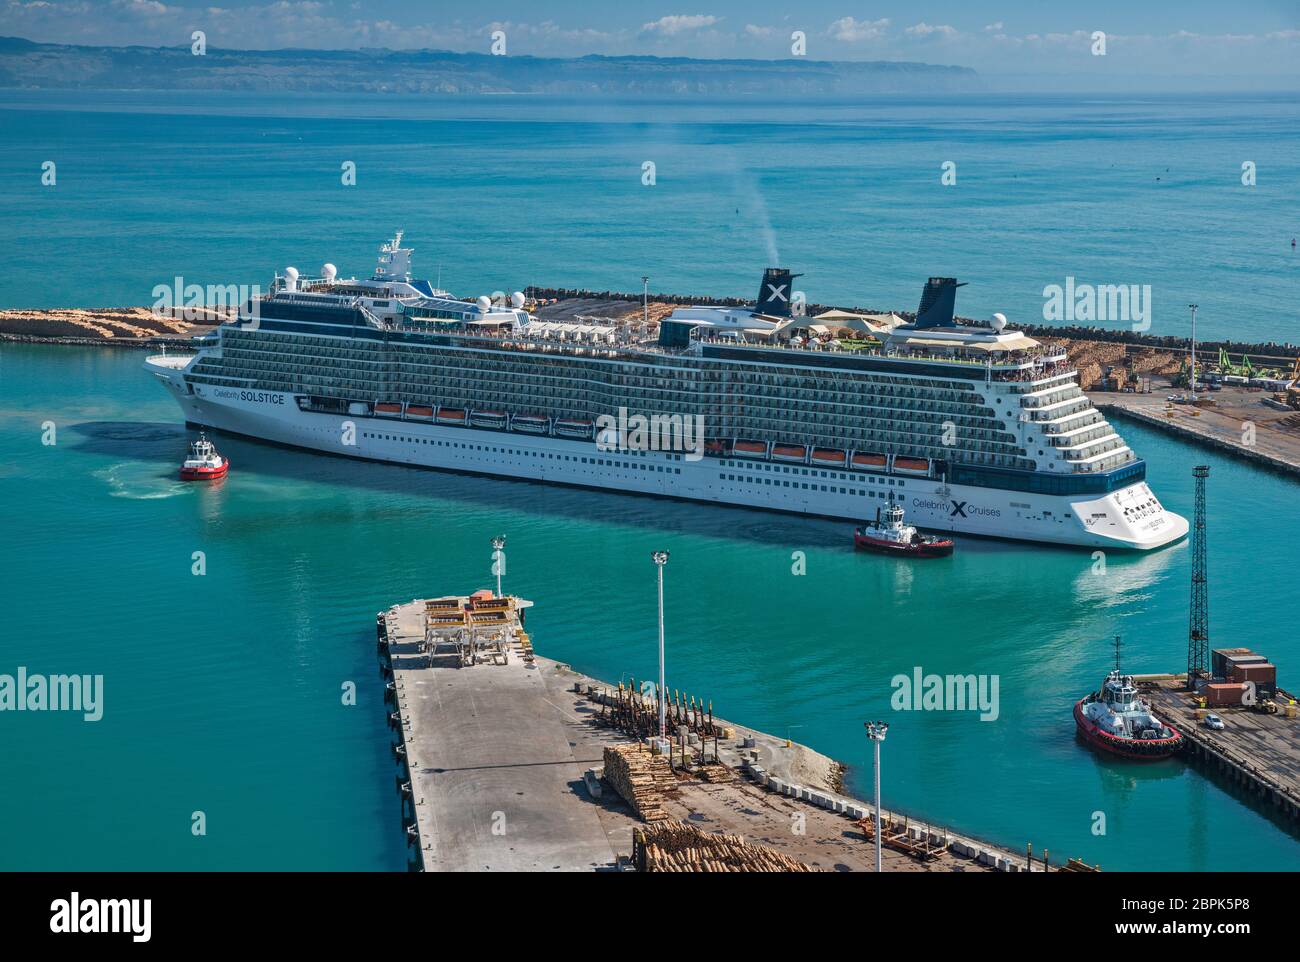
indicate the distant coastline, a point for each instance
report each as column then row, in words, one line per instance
column 25, row 64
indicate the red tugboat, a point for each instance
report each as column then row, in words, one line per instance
column 204, row 464
column 1116, row 720
column 891, row 536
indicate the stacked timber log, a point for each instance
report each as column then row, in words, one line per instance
column 641, row 778
column 675, row 847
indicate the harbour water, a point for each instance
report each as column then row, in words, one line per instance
column 223, row 692
column 496, row 193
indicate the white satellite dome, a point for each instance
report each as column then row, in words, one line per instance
column 517, row 299
column 999, row 322
column 329, row 272
column 291, row 276
column 484, row 303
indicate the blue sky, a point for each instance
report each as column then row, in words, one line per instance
column 1015, row 37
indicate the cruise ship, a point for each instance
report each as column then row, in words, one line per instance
column 975, row 430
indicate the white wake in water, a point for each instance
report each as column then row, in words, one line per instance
column 131, row 479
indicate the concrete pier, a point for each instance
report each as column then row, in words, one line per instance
column 1238, row 424
column 1259, row 753
column 496, row 745
column 494, row 779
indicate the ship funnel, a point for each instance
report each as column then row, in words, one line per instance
column 938, row 301
column 776, row 292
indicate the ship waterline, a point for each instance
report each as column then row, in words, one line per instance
column 974, row 430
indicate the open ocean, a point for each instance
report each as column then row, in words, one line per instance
column 222, row 692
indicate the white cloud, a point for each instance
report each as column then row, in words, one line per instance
column 144, row 8
column 677, row 23
column 924, row 29
column 850, row 30
column 756, row 31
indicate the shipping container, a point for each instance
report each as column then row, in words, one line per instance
column 1222, row 695
column 1219, row 659
column 1262, row 674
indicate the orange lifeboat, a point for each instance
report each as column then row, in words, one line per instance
column 912, row 465
column 866, row 461
column 419, row 411
column 829, row 457
column 749, row 449
column 388, row 407
column 451, row 416
column 574, row 428
column 789, row 452
column 531, row 423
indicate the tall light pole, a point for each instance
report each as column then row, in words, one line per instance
column 498, row 559
column 645, row 298
column 1192, row 380
column 876, row 732
column 661, row 559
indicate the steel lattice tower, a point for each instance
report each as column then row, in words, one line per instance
column 1198, row 633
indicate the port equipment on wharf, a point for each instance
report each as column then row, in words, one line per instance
column 661, row 559
column 876, row 732
column 1259, row 747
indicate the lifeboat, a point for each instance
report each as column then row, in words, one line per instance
column 488, row 419
column 419, row 412
column 789, row 452
column 531, row 423
column 451, row 416
column 388, row 408
column 829, row 457
column 866, row 461
column 911, row 465
column 204, row 463
column 574, row 428
column 716, row 447
column 749, row 449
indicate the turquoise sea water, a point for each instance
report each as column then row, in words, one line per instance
column 497, row 193
column 223, row 691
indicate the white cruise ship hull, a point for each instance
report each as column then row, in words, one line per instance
column 1127, row 518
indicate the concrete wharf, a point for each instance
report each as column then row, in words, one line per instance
column 500, row 751
column 1257, row 752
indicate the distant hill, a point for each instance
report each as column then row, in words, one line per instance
column 41, row 65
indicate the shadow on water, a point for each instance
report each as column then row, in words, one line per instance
column 1124, row 778
column 166, row 444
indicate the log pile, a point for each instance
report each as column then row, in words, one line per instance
column 643, row 780
column 716, row 773
column 675, row 847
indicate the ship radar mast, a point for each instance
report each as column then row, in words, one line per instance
column 1117, row 643
column 394, row 260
